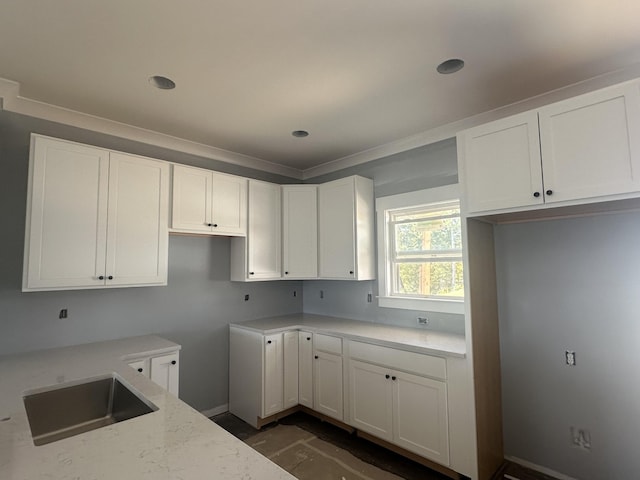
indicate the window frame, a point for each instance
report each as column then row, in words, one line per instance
column 428, row 197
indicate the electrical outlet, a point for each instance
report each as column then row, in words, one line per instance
column 580, row 438
column 63, row 313
column 295, row 294
column 570, row 358
column 321, row 293
column 369, row 298
column 246, row 297
column 424, row 321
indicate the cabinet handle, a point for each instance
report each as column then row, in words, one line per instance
column 316, row 357
column 286, row 273
column 110, row 277
column 269, row 342
column 101, row 277
column 536, row 194
column 386, row 376
column 215, row 225
column 350, row 272
column 250, row 273
column 173, row 362
column 308, row 338
column 140, row 370
column 393, row 378
column 209, row 225
column 549, row 192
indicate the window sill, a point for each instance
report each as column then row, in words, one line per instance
column 423, row 304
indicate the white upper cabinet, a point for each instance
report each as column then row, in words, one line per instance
column 299, row 231
column 590, row 144
column 95, row 218
column 208, row 202
column 258, row 256
column 346, row 233
column 137, row 237
column 501, row 164
column 577, row 150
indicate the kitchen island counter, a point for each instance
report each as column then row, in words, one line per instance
column 174, row 442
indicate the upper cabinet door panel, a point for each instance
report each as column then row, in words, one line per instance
column 300, row 231
column 229, row 204
column 191, row 199
column 66, row 215
column 336, row 206
column 590, row 144
column 137, row 240
column 500, row 164
column 264, row 247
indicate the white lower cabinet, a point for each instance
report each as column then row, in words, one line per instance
column 395, row 395
column 403, row 408
column 290, row 368
column 327, row 376
column 163, row 370
column 305, row 368
column 263, row 374
column 273, row 375
column 420, row 417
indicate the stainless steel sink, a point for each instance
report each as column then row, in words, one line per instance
column 70, row 409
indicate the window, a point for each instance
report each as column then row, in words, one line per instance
column 420, row 251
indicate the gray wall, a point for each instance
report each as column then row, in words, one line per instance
column 193, row 310
column 571, row 284
column 425, row 167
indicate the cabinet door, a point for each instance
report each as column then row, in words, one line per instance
column 137, row 231
column 290, row 348
column 191, row 201
column 305, row 369
column 66, row 229
column 141, row 366
column 590, row 144
column 263, row 236
column 371, row 399
column 273, row 379
column 327, row 377
column 500, row 164
column 229, row 205
column 165, row 372
column 421, row 423
column 300, row 231
column 336, row 207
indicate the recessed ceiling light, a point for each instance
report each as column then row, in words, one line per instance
column 300, row 133
column 450, row 66
column 162, row 83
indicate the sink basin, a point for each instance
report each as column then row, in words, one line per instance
column 69, row 409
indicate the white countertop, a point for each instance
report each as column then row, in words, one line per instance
column 175, row 442
column 410, row 339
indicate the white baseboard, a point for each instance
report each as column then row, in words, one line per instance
column 538, row 468
column 215, row 410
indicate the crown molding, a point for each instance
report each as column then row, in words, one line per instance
column 13, row 102
column 450, row 130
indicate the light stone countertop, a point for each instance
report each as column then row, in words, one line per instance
column 175, row 442
column 410, row 339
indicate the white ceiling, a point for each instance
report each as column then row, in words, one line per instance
column 355, row 73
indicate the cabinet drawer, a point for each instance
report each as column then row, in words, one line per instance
column 327, row 343
column 425, row 365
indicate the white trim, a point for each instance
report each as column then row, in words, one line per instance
column 423, row 304
column 215, row 410
column 429, row 196
column 11, row 100
column 538, row 468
